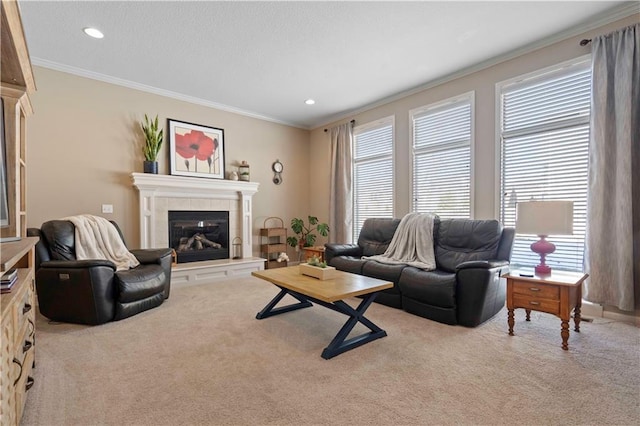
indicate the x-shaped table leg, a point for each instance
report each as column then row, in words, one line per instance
column 270, row 310
column 340, row 343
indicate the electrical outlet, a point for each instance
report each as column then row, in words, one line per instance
column 107, row 208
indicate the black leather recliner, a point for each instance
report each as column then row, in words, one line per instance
column 92, row 291
column 465, row 288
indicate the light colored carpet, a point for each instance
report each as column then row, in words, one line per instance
column 203, row 359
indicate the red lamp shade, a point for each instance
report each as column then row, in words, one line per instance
column 544, row 218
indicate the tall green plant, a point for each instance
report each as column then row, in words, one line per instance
column 305, row 234
column 153, row 138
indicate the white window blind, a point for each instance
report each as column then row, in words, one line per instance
column 545, row 138
column 372, row 173
column 442, row 158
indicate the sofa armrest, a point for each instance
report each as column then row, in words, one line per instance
column 480, row 293
column 77, row 264
column 482, row 264
column 147, row 256
column 332, row 250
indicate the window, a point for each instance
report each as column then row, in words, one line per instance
column 442, row 135
column 544, row 134
column 372, row 172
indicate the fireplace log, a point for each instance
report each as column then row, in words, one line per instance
column 196, row 242
column 184, row 244
column 207, row 242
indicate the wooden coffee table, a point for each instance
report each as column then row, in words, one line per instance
column 330, row 294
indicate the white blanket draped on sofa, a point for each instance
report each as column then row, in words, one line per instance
column 412, row 243
column 97, row 238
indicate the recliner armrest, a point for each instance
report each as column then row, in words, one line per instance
column 147, row 256
column 77, row 264
column 482, row 264
column 332, row 250
column 78, row 291
column 480, row 292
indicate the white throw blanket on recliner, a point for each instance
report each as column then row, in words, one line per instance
column 97, row 238
column 412, row 243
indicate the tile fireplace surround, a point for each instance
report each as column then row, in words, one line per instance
column 160, row 193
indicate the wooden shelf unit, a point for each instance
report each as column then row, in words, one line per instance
column 17, row 320
column 17, row 83
column 18, row 328
column 273, row 241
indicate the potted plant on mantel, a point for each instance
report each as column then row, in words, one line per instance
column 153, row 141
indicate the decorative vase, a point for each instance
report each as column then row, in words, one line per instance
column 243, row 171
column 151, row 167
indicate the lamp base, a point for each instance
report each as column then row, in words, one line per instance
column 542, row 270
column 543, row 247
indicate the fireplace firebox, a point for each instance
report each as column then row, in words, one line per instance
column 199, row 235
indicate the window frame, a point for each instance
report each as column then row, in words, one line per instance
column 443, row 105
column 563, row 68
column 363, row 128
column 554, row 71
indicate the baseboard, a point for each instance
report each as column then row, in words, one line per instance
column 594, row 310
column 591, row 310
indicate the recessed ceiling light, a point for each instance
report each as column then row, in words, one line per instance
column 93, row 32
column 309, row 102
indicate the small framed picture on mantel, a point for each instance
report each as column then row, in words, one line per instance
column 196, row 150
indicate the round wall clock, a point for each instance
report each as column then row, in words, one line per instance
column 277, row 168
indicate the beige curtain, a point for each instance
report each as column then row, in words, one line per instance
column 340, row 201
column 613, row 208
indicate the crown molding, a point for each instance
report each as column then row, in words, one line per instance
column 154, row 90
column 615, row 14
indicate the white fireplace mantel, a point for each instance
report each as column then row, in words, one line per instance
column 161, row 193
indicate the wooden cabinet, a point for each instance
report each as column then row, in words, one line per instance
column 18, row 325
column 17, row 317
column 16, row 85
column 273, row 241
column 558, row 294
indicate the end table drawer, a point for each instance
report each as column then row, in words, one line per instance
column 537, row 290
column 536, row 304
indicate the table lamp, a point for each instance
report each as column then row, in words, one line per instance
column 544, row 218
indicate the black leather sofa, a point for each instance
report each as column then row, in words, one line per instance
column 92, row 291
column 465, row 288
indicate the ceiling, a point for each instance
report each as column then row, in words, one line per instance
column 264, row 59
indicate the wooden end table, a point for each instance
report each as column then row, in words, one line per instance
column 558, row 293
column 309, row 252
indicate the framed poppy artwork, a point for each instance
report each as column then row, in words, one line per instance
column 196, row 150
